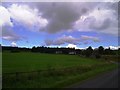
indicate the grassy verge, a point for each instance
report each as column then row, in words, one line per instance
column 53, row 79
column 81, row 77
column 114, row 58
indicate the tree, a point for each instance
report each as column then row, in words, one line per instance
column 119, row 49
column 33, row 49
column 109, row 51
column 0, row 48
column 101, row 50
column 88, row 51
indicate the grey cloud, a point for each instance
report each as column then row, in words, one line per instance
column 10, row 35
column 85, row 37
column 48, row 42
column 62, row 16
column 62, row 40
column 86, row 43
column 71, row 40
column 102, row 19
column 110, row 23
column 106, row 23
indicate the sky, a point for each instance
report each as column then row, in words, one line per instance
column 59, row 24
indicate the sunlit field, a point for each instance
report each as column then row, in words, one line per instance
column 38, row 70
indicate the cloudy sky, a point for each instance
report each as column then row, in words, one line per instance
column 61, row 24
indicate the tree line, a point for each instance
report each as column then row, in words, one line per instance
column 88, row 52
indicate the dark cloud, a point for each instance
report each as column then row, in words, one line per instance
column 62, row 16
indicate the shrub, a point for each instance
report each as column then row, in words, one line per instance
column 97, row 56
column 15, row 51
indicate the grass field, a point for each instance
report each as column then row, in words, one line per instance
column 50, row 70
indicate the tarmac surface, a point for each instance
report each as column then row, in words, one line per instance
column 106, row 80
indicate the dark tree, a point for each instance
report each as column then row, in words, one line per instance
column 88, row 51
column 101, row 50
column 0, row 48
column 108, row 51
column 33, row 49
column 119, row 49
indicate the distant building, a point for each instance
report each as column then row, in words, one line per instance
column 72, row 53
column 58, row 52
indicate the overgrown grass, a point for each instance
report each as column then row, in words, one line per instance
column 50, row 70
column 114, row 58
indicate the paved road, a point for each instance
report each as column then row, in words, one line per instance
column 106, row 80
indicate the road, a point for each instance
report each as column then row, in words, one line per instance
column 106, row 80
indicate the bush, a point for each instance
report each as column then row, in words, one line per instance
column 97, row 56
column 15, row 51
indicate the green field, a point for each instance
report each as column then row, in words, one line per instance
column 50, row 70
